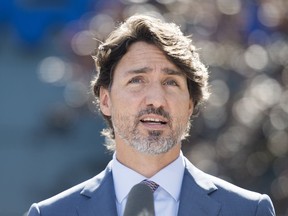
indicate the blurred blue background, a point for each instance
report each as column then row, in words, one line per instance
column 49, row 129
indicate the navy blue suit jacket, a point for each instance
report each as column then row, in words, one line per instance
column 201, row 195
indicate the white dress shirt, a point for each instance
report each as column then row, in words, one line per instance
column 166, row 197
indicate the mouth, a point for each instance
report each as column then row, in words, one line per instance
column 154, row 121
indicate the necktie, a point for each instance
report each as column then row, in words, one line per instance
column 140, row 201
column 151, row 184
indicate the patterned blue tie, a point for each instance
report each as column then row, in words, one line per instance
column 152, row 185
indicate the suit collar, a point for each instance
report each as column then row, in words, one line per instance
column 195, row 193
column 100, row 195
column 195, row 197
column 95, row 183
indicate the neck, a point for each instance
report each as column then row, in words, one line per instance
column 145, row 164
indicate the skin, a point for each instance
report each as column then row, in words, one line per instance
column 143, row 78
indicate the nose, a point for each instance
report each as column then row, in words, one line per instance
column 155, row 95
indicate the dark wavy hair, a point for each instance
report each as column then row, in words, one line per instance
column 168, row 38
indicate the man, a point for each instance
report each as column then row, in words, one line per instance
column 150, row 81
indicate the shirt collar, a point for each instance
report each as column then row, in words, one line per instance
column 169, row 178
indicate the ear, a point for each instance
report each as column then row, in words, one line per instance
column 105, row 102
column 191, row 107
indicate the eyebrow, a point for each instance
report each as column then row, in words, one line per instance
column 140, row 70
column 170, row 71
column 167, row 71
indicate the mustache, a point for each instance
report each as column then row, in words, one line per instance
column 157, row 111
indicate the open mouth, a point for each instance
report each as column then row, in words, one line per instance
column 156, row 121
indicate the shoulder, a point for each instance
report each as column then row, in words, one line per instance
column 56, row 203
column 68, row 200
column 241, row 199
column 231, row 197
column 231, row 191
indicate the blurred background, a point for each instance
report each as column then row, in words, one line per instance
column 49, row 129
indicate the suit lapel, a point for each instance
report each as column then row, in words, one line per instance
column 195, row 194
column 99, row 196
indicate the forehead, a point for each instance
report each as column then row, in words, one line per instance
column 141, row 54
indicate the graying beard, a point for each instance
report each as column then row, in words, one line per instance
column 154, row 144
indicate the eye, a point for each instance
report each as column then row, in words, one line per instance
column 136, row 80
column 171, row 82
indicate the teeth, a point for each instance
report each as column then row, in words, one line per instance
column 152, row 120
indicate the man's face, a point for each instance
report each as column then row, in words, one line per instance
column 148, row 102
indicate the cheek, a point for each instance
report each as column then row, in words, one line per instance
column 182, row 106
column 124, row 104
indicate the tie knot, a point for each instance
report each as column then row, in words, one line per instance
column 151, row 184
